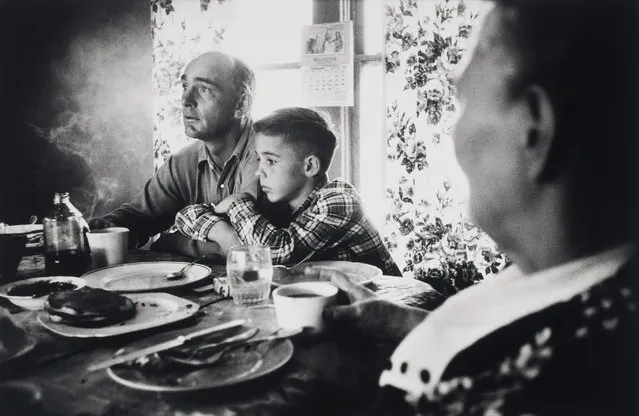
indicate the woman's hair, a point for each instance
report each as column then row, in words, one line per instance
column 303, row 128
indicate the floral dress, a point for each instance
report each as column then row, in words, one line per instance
column 578, row 357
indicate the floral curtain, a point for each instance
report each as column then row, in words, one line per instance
column 427, row 228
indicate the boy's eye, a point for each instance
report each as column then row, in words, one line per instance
column 204, row 90
column 270, row 162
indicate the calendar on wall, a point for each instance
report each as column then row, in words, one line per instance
column 327, row 64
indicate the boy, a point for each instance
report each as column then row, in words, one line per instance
column 295, row 148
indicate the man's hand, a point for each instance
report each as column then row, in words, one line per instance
column 225, row 204
column 99, row 223
column 370, row 316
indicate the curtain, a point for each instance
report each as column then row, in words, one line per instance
column 427, row 229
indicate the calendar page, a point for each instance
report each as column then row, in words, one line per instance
column 327, row 64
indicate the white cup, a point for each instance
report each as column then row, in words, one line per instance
column 300, row 305
column 109, row 246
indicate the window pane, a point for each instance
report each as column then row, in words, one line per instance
column 267, row 31
column 372, row 149
column 275, row 89
column 373, row 27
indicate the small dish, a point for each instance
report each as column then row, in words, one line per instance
column 361, row 273
column 32, row 293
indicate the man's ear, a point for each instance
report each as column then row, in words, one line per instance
column 312, row 166
column 244, row 106
column 541, row 130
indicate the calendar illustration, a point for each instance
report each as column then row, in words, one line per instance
column 327, row 64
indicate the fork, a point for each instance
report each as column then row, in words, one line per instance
column 214, row 358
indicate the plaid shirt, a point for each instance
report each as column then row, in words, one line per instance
column 330, row 223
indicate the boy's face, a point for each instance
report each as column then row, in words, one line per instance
column 281, row 170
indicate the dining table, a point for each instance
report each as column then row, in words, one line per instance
column 334, row 372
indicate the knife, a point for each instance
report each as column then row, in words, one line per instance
column 165, row 345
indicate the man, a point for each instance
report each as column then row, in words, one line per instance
column 216, row 102
column 547, row 140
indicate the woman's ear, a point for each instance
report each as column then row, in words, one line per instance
column 541, row 131
column 312, row 166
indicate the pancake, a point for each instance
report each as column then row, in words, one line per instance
column 89, row 307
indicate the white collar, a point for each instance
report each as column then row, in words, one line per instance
column 482, row 309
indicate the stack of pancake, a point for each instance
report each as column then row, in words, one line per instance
column 89, row 307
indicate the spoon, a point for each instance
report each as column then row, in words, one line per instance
column 290, row 269
column 180, row 273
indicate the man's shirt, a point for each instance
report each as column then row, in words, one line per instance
column 330, row 223
column 189, row 176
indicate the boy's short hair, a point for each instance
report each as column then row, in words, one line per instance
column 303, row 128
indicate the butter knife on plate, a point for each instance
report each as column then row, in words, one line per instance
column 176, row 342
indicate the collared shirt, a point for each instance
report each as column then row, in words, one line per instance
column 189, row 176
column 330, row 223
column 480, row 310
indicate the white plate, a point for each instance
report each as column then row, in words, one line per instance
column 249, row 363
column 145, row 276
column 361, row 273
column 31, row 303
column 152, row 310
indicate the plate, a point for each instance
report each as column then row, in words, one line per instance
column 145, row 276
column 256, row 360
column 152, row 310
column 31, row 303
column 361, row 273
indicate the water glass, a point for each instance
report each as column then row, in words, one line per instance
column 250, row 272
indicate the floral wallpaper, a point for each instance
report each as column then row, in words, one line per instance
column 427, row 229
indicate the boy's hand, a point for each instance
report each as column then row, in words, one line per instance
column 225, row 204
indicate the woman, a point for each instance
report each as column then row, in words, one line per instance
column 555, row 333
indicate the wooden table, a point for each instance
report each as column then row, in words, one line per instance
column 329, row 374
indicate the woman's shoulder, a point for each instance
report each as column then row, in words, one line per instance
column 575, row 356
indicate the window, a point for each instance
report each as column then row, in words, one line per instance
column 266, row 34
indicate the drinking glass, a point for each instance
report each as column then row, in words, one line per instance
column 250, row 272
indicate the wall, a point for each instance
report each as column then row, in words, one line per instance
column 75, row 104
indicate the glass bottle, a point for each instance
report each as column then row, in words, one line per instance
column 67, row 251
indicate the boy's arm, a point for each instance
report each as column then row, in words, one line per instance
column 321, row 226
column 200, row 222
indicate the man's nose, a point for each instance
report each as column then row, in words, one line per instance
column 187, row 97
column 259, row 172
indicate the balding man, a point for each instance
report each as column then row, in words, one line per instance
column 216, row 102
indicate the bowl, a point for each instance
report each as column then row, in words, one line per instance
column 32, row 293
column 12, row 248
column 20, row 398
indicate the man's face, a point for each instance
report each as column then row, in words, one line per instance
column 487, row 135
column 209, row 98
column 281, row 169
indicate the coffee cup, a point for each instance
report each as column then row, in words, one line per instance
column 109, row 246
column 300, row 305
